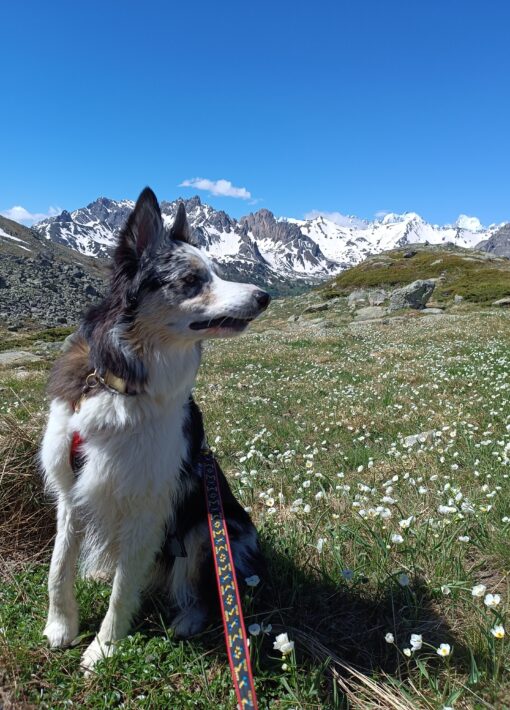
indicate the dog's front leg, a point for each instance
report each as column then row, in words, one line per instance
column 62, row 624
column 140, row 540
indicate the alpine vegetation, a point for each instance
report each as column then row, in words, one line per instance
column 374, row 459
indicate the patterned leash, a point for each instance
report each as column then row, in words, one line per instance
column 228, row 590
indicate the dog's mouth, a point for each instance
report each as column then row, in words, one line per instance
column 224, row 322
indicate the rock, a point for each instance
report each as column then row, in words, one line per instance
column 426, row 437
column 67, row 342
column 377, row 298
column 47, row 347
column 356, row 297
column 502, row 302
column 290, row 319
column 409, row 254
column 12, row 357
column 414, row 295
column 457, row 298
column 317, row 308
column 433, row 312
column 370, row 312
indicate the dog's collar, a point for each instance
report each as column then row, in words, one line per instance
column 108, row 380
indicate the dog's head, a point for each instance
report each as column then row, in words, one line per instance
column 170, row 287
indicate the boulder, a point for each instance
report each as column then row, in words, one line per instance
column 370, row 312
column 377, row 298
column 13, row 357
column 434, row 312
column 356, row 297
column 457, row 298
column 424, row 437
column 502, row 302
column 409, row 254
column 414, row 295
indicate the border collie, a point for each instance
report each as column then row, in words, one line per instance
column 131, row 506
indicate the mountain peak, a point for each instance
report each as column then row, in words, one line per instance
column 394, row 218
column 259, row 244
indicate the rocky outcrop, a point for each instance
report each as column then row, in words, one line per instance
column 499, row 243
column 414, row 295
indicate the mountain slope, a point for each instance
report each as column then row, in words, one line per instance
column 474, row 275
column 42, row 282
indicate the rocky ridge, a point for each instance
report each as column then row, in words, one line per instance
column 499, row 243
column 280, row 253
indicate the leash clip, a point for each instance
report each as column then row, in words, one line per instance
column 92, row 380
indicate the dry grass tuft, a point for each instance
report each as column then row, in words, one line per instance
column 26, row 516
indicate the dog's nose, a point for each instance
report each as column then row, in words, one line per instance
column 263, row 298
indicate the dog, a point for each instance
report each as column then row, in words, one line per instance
column 131, row 505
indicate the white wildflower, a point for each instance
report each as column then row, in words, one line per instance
column 283, row 644
column 498, row 631
column 492, row 600
column 416, row 642
column 444, row 650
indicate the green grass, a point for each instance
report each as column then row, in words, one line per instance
column 304, row 417
column 14, row 341
column 464, row 273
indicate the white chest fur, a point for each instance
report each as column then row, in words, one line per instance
column 134, row 447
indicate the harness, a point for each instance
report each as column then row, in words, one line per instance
column 236, row 639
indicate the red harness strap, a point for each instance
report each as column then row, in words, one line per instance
column 74, row 454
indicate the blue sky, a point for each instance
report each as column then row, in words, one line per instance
column 358, row 107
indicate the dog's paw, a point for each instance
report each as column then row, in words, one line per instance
column 189, row 622
column 95, row 652
column 61, row 631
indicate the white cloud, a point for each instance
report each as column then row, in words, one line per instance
column 220, row 188
column 338, row 218
column 22, row 215
column 466, row 222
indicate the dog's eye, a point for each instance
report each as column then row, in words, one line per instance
column 191, row 280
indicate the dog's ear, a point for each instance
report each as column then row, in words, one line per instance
column 143, row 229
column 180, row 228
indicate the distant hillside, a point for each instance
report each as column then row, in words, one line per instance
column 43, row 283
column 476, row 276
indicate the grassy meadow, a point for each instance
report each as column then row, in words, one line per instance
column 388, row 553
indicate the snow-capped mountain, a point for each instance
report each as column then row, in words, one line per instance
column 348, row 245
column 261, row 247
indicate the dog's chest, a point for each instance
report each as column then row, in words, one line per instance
column 138, row 463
